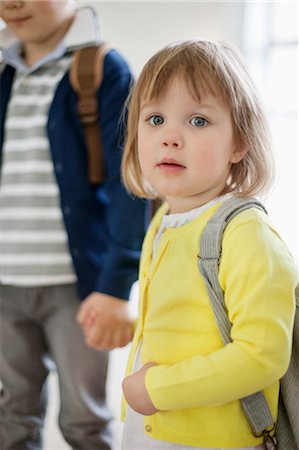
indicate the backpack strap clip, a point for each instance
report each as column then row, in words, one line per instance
column 269, row 441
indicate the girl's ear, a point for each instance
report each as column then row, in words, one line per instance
column 238, row 154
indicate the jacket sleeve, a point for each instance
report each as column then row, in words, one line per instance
column 124, row 219
column 258, row 277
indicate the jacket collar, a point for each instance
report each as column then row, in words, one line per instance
column 83, row 32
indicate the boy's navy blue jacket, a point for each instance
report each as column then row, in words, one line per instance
column 105, row 226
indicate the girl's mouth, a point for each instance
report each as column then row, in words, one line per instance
column 19, row 20
column 171, row 166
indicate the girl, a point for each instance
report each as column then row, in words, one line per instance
column 196, row 136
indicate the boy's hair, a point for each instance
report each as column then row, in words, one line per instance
column 206, row 68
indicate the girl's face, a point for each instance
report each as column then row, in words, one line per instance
column 186, row 147
column 36, row 22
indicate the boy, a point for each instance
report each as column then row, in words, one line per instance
column 59, row 234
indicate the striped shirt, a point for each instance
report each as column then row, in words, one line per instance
column 33, row 240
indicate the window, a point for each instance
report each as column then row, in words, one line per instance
column 271, row 48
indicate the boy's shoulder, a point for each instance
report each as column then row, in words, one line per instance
column 115, row 64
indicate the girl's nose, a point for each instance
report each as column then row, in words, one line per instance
column 13, row 3
column 172, row 140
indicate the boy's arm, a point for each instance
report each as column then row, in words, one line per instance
column 112, row 326
column 124, row 215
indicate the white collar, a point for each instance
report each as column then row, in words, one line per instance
column 84, row 31
column 179, row 219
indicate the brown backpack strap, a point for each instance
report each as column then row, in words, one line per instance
column 86, row 76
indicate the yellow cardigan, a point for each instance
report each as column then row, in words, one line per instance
column 198, row 381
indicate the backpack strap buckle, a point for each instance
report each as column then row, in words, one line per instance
column 88, row 110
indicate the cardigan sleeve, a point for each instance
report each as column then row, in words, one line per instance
column 258, row 277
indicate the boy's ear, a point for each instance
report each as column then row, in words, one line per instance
column 238, row 154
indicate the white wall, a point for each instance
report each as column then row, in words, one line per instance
column 138, row 29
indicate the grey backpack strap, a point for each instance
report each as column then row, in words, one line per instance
column 255, row 406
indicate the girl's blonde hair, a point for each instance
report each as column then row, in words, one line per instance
column 217, row 69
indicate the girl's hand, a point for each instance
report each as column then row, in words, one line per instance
column 136, row 394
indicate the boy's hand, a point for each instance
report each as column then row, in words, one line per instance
column 136, row 394
column 106, row 321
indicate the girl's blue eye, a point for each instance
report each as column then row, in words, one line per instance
column 198, row 121
column 156, row 120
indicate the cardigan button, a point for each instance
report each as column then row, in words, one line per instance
column 148, row 428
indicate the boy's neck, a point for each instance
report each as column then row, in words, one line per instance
column 34, row 51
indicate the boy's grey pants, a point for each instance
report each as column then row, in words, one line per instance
column 37, row 323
